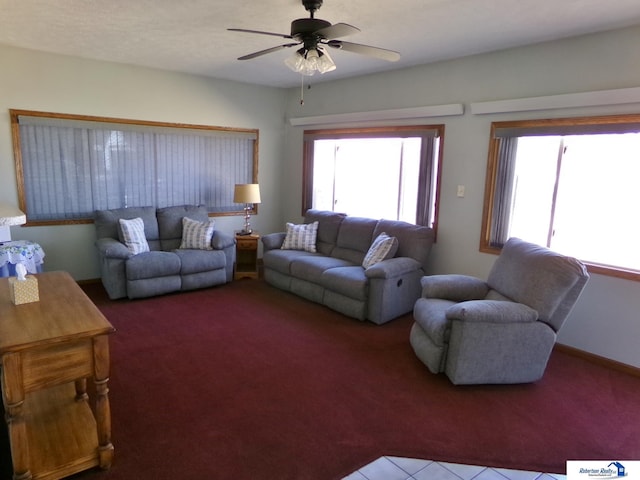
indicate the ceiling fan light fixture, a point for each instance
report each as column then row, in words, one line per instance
column 325, row 62
column 314, row 35
column 308, row 62
column 296, row 61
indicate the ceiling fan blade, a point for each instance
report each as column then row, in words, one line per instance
column 281, row 35
column 381, row 53
column 337, row 30
column 268, row 50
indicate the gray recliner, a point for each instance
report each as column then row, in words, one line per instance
column 502, row 330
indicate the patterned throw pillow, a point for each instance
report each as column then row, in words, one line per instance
column 197, row 235
column 382, row 248
column 133, row 235
column 301, row 237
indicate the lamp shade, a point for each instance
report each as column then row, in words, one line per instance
column 10, row 215
column 246, row 193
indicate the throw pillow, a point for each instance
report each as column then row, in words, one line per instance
column 382, row 248
column 197, row 235
column 133, row 235
column 301, row 237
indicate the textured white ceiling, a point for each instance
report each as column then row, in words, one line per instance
column 191, row 35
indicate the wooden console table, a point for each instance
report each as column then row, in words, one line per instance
column 49, row 348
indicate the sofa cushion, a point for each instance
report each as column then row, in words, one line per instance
column 170, row 223
column 272, row 241
column 301, row 237
column 533, row 275
column 430, row 314
column 152, row 264
column 108, row 226
column 310, row 268
column 348, row 281
column 414, row 241
column 492, row 311
column 354, row 239
column 196, row 261
column 197, row 234
column 454, row 287
column 132, row 232
column 328, row 227
column 280, row 260
column 382, row 248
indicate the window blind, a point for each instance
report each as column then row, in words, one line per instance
column 74, row 166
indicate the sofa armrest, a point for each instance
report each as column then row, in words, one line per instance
column 393, row 267
column 492, row 311
column 273, row 241
column 221, row 240
column 458, row 288
column 112, row 248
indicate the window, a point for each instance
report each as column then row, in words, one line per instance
column 568, row 184
column 69, row 166
column 390, row 173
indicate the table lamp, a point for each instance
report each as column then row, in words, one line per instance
column 249, row 194
column 9, row 216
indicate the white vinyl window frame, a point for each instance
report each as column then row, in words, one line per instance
column 69, row 166
column 501, row 183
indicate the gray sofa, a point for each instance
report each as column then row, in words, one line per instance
column 165, row 268
column 333, row 276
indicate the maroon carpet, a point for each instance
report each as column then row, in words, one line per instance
column 244, row 381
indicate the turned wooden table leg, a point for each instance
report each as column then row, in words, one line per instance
column 13, row 399
column 81, row 390
column 103, row 408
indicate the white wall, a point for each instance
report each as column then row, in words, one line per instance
column 605, row 321
column 53, row 83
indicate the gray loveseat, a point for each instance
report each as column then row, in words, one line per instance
column 333, row 276
column 165, row 268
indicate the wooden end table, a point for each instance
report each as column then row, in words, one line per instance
column 246, row 256
column 49, row 348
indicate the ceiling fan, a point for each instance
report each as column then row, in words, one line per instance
column 315, row 35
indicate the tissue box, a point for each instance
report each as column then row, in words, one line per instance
column 25, row 291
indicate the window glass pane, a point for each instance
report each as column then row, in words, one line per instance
column 596, row 176
column 368, row 177
column 375, row 178
column 535, row 174
column 597, row 201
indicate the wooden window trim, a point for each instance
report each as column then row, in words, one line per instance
column 491, row 172
column 17, row 152
column 307, row 157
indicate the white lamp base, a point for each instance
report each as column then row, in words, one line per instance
column 5, row 234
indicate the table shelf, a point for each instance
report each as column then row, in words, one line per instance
column 64, row 428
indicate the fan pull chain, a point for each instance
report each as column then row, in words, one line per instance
column 301, row 89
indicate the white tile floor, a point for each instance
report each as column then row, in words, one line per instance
column 398, row 468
